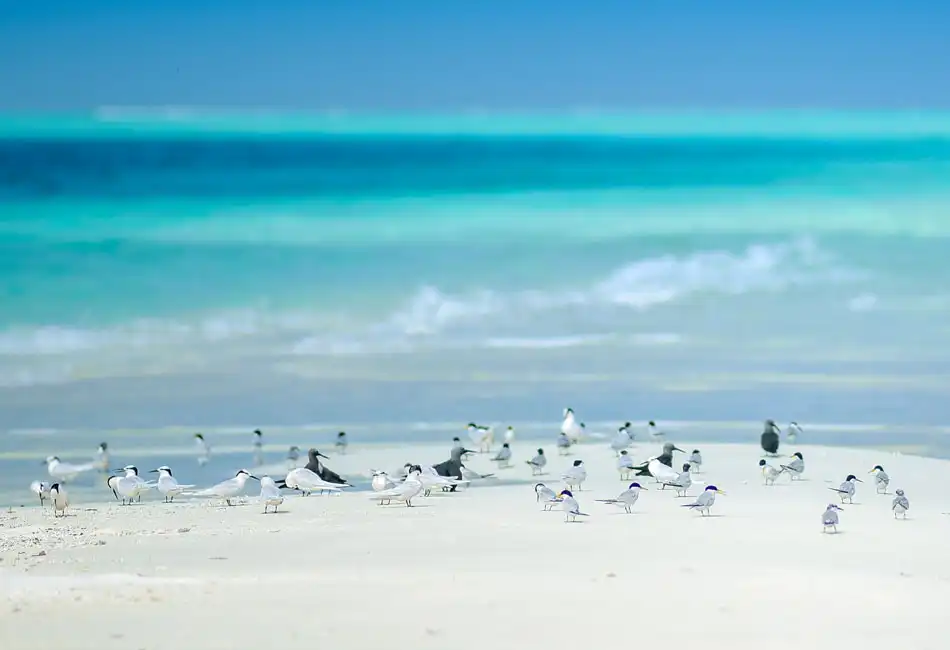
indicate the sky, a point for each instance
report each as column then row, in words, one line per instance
column 495, row 55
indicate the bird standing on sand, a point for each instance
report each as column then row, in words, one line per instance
column 627, row 498
column 770, row 437
column 168, row 486
column 341, row 442
column 681, row 483
column 321, row 470
column 623, row 439
column 537, row 463
column 230, row 488
column 795, row 467
column 510, row 435
column 660, row 467
column 792, row 433
column 404, row 492
column 40, row 489
column 270, row 494
column 293, row 455
column 769, row 473
column 575, row 476
column 830, row 518
column 900, row 505
column 382, row 481
column 705, row 500
column 696, row 461
column 57, row 494
column 563, row 444
column 482, row 437
column 881, row 479
column 503, row 457
column 258, row 447
column 624, row 465
column 846, row 489
column 545, row 495
column 204, row 450
column 570, row 426
column 570, row 506
column 102, row 457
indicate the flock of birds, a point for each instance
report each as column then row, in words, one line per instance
column 414, row 479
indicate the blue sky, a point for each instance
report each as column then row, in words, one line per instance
column 443, row 55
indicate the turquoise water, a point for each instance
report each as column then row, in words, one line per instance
column 179, row 268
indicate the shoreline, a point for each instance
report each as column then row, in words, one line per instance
column 486, row 565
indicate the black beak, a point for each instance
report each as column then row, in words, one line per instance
column 322, row 456
column 678, row 449
column 153, row 471
column 253, row 477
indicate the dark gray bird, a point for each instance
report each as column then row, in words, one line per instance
column 321, row 470
column 452, row 467
column 770, row 437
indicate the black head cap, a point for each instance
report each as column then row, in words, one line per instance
column 103, row 445
column 695, row 451
column 577, row 463
column 762, row 463
column 878, row 468
column 685, row 467
column 798, row 455
column 652, row 423
column 342, row 434
column 851, row 477
column 506, row 445
column 257, row 432
column 540, row 452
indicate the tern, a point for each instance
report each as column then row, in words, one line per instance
column 571, row 428
column 258, row 447
column 270, row 494
column 545, row 495
column 846, row 489
column 40, row 489
column 900, row 505
column 510, row 434
column 102, row 457
column 482, row 437
column 168, row 486
column 132, row 474
column 623, row 439
column 696, row 461
column 382, row 480
column 503, row 457
column 625, row 465
column 830, row 518
column 537, row 463
column 230, row 488
column 57, row 494
column 705, row 500
column 405, row 491
column 769, row 473
column 795, row 467
column 203, row 450
column 792, row 433
column 307, row 482
column 341, row 442
column 681, row 483
column 627, row 498
column 125, row 488
column 570, row 507
column 63, row 472
column 563, row 444
column 293, row 455
column 575, row 475
column 430, row 478
column 881, row 479
column 770, row 437
column 654, row 432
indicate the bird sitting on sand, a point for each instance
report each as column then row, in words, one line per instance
column 681, row 483
column 321, row 470
column 660, row 467
column 563, row 444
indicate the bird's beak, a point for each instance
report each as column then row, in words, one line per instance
column 322, row 456
column 858, row 480
column 253, row 477
column 678, row 449
column 153, row 471
column 43, row 462
column 643, row 488
column 721, row 492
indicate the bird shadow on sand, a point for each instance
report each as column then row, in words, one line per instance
column 278, row 512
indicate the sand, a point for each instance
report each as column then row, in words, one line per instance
column 485, row 567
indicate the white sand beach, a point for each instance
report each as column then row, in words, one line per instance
column 486, row 568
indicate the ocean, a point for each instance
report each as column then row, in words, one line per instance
column 181, row 269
